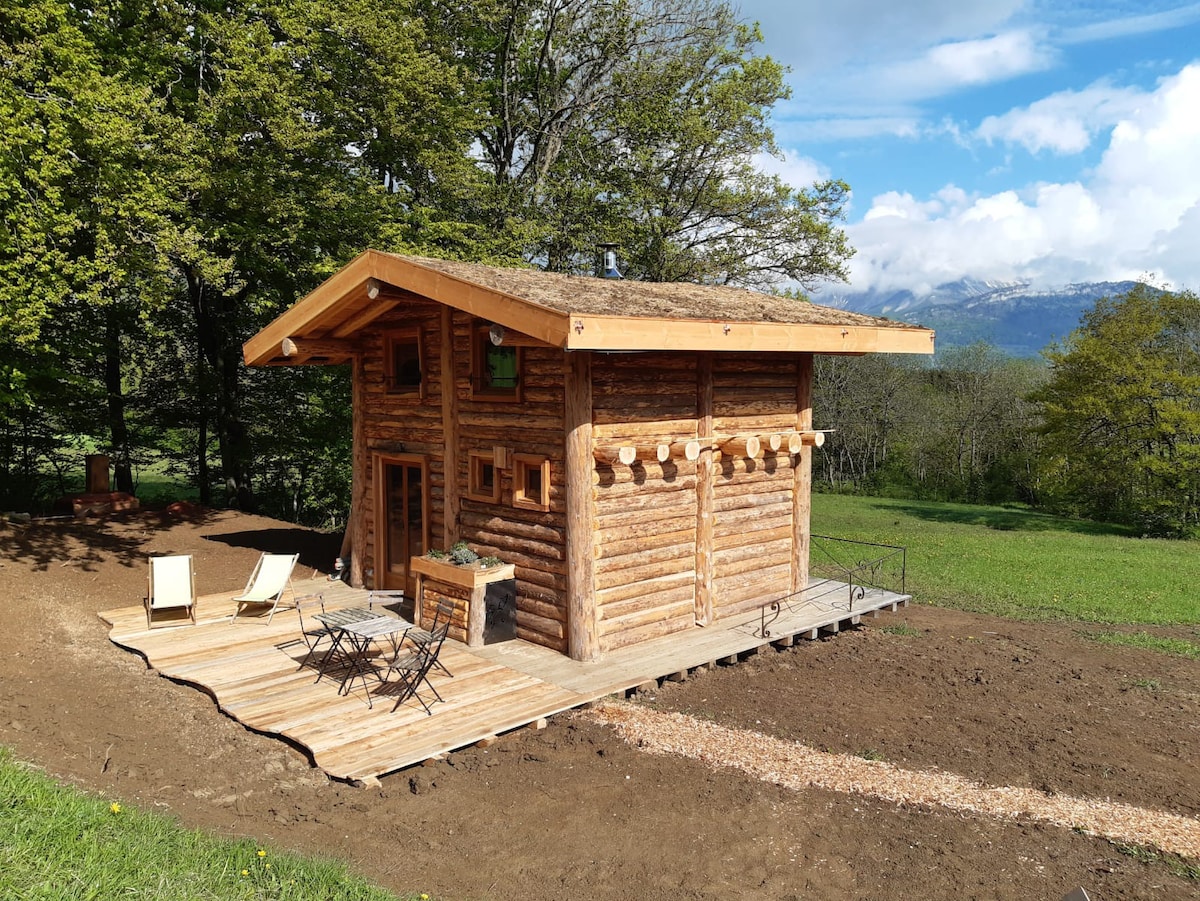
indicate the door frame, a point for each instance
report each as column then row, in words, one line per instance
column 380, row 462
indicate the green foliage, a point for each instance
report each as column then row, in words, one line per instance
column 955, row 429
column 1015, row 562
column 58, row 843
column 1122, row 413
column 461, row 555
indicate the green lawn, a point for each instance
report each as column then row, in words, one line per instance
column 1024, row 565
column 59, row 844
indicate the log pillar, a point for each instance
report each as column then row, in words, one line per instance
column 705, row 490
column 450, row 497
column 802, row 478
column 356, row 528
column 583, row 639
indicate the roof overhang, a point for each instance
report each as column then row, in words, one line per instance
column 321, row 327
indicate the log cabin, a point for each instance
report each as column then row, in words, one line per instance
column 639, row 454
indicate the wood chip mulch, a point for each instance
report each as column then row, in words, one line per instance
column 796, row 766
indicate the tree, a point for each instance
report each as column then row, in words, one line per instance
column 1122, row 412
column 638, row 124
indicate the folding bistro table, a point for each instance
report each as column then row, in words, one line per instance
column 354, row 628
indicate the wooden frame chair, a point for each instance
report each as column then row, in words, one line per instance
column 171, row 586
column 272, row 576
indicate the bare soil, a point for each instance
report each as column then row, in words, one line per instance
column 571, row 811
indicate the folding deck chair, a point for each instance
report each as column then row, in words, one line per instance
column 172, row 586
column 272, row 576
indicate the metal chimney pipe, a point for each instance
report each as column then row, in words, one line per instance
column 608, row 256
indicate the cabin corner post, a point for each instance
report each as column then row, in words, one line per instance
column 357, row 526
column 802, row 478
column 450, row 498
column 582, row 633
column 705, row 493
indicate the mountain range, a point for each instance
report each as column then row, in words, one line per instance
column 1015, row 317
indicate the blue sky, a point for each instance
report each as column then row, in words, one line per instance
column 1051, row 142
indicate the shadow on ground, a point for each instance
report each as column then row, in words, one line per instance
column 1006, row 519
column 90, row 541
column 317, row 550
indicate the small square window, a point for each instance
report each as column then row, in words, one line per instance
column 531, row 482
column 483, row 479
column 495, row 368
column 404, row 367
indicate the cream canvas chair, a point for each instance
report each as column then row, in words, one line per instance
column 271, row 577
column 172, row 586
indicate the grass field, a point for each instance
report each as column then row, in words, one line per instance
column 59, row 844
column 1022, row 564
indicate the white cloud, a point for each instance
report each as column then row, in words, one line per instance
column 1065, row 122
column 1132, row 25
column 796, row 170
column 1137, row 211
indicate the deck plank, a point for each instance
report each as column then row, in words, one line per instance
column 264, row 676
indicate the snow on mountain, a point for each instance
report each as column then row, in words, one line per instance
column 1016, row 317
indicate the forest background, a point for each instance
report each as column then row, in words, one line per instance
column 173, row 174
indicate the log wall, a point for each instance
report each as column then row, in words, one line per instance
column 533, row 540
column 649, row 574
column 753, row 394
column 645, row 514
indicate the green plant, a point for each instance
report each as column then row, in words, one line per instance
column 902, row 628
column 461, row 555
column 489, row 561
column 436, row 554
column 89, row 847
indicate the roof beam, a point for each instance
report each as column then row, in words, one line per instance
column 628, row 333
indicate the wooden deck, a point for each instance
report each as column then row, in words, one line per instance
column 260, row 675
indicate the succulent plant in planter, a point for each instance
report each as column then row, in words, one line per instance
column 461, row 555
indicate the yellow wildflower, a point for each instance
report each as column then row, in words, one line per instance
column 114, row 807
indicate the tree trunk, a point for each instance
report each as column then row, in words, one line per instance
column 117, row 426
column 216, row 337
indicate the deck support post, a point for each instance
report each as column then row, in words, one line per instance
column 583, row 640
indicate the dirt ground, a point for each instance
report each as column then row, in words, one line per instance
column 571, row 811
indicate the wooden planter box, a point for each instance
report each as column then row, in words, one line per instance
column 474, row 579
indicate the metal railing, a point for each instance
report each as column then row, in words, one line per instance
column 837, row 578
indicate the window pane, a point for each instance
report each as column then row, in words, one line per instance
column 500, row 366
column 406, row 365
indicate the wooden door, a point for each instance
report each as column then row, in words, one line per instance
column 403, row 522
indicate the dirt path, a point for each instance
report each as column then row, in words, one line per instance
column 796, row 766
column 572, row 811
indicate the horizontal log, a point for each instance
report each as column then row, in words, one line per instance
column 605, row 476
column 643, row 488
column 747, row 446
column 630, row 508
column 768, row 497
column 625, row 637
column 642, row 431
column 540, row 625
column 545, row 641
column 506, row 546
column 542, row 608
column 681, row 550
column 765, row 553
column 653, row 570
column 682, row 612
column 664, row 597
column 620, row 545
column 488, row 521
column 780, row 530
column 628, row 590
column 649, row 523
